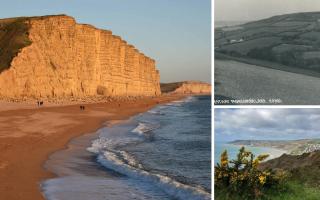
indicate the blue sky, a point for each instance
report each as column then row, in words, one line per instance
column 176, row 33
column 266, row 124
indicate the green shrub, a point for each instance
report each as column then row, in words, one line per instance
column 13, row 37
column 241, row 178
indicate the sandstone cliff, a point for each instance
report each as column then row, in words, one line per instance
column 186, row 87
column 53, row 56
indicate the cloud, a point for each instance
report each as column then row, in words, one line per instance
column 271, row 123
column 239, row 10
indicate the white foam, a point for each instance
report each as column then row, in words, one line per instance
column 175, row 189
column 126, row 164
column 110, row 142
column 179, row 103
column 186, row 100
column 99, row 144
column 155, row 112
column 143, row 128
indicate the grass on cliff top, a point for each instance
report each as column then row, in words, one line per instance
column 169, row 87
column 13, row 37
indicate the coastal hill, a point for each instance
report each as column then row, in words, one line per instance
column 53, row 56
column 287, row 40
column 303, row 168
column 186, row 87
column 294, row 147
column 289, row 162
column 302, row 160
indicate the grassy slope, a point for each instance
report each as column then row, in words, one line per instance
column 169, row 87
column 297, row 31
column 304, row 168
column 295, row 191
column 13, row 37
column 291, row 191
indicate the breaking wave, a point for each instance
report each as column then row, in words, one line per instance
column 156, row 112
column 126, row 164
column 144, row 127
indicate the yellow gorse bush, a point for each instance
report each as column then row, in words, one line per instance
column 243, row 176
column 224, row 159
column 262, row 179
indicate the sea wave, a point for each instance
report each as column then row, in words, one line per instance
column 124, row 163
column 144, row 127
column 186, row 100
column 156, row 112
column 111, row 160
column 113, row 157
column 179, row 103
column 102, row 143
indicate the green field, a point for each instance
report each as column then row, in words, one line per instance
column 292, row 40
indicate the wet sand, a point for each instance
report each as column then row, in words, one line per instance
column 28, row 135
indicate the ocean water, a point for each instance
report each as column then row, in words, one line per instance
column 162, row 154
column 233, row 150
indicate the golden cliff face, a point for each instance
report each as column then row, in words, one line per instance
column 186, row 87
column 70, row 59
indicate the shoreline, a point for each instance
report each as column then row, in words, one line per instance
column 274, row 152
column 82, row 164
column 26, row 138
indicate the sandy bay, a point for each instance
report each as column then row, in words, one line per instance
column 29, row 135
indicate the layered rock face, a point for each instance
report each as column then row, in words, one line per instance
column 69, row 59
column 186, row 87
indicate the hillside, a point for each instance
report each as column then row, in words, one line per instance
column 53, row 56
column 294, row 147
column 302, row 162
column 186, row 87
column 304, row 168
column 290, row 40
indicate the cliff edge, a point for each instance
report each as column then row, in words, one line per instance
column 53, row 56
column 186, row 87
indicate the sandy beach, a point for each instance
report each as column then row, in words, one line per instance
column 28, row 135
